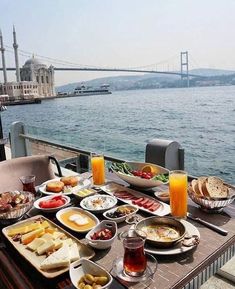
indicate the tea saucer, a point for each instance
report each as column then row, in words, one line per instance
column 118, row 272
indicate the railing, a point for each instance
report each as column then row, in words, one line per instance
column 165, row 153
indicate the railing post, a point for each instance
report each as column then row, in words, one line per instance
column 20, row 147
column 165, row 153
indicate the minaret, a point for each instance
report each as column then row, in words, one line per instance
column 15, row 46
column 2, row 49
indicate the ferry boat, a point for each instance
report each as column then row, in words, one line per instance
column 89, row 90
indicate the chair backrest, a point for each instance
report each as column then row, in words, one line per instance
column 12, row 170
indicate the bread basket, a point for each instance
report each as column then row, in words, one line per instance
column 15, row 213
column 212, row 205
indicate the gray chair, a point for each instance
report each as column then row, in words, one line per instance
column 12, row 170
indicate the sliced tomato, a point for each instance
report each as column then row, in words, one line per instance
column 51, row 204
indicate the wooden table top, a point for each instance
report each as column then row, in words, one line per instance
column 173, row 271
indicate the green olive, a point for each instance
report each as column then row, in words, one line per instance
column 102, row 280
column 81, row 285
column 89, row 278
column 87, row 287
column 96, row 286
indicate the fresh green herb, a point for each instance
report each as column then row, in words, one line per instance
column 161, row 177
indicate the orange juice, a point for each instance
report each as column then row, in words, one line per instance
column 98, row 169
column 178, row 182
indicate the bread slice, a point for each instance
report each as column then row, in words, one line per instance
column 215, row 188
column 201, row 181
column 195, row 188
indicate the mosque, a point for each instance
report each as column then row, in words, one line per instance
column 33, row 80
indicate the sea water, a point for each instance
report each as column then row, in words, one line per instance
column 120, row 124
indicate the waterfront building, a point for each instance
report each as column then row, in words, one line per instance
column 35, row 71
column 33, row 80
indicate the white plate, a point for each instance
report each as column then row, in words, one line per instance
column 111, row 188
column 36, row 203
column 177, row 249
column 123, row 218
column 107, row 203
column 84, row 185
column 78, row 210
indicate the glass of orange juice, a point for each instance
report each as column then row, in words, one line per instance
column 98, row 168
column 178, row 182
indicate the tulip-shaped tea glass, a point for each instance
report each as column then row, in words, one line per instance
column 28, row 183
column 134, row 261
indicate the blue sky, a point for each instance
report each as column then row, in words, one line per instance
column 121, row 33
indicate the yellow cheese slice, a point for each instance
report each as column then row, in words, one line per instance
column 49, row 245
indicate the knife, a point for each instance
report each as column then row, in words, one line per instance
column 207, row 224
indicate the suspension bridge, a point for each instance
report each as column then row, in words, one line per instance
column 61, row 65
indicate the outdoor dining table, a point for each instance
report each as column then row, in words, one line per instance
column 186, row 270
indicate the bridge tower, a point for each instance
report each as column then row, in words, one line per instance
column 184, row 67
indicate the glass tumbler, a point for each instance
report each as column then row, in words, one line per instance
column 98, row 168
column 178, row 183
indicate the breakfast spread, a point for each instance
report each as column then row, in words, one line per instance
column 89, row 281
column 209, row 188
column 12, row 200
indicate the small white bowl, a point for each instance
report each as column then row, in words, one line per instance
column 102, row 244
column 91, row 203
column 36, row 203
column 163, row 196
column 83, row 266
column 120, row 219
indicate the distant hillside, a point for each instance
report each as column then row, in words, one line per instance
column 145, row 81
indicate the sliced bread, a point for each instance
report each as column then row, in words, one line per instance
column 201, row 181
column 195, row 188
column 215, row 188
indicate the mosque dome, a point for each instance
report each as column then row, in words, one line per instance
column 34, row 62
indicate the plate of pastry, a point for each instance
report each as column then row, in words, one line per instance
column 65, row 185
